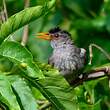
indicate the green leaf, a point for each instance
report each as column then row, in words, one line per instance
column 56, row 89
column 20, row 56
column 24, row 93
column 85, row 8
column 22, row 18
column 85, row 106
column 6, row 94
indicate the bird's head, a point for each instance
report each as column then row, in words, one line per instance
column 56, row 36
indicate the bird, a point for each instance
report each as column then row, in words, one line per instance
column 66, row 56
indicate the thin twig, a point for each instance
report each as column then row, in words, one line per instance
column 5, row 10
column 2, row 17
column 98, row 47
column 26, row 28
column 25, row 36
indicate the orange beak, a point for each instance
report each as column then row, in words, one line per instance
column 44, row 36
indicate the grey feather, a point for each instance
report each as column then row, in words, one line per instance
column 66, row 57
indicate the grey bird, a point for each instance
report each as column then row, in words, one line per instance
column 66, row 56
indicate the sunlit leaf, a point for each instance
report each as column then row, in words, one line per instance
column 21, row 56
column 6, row 94
column 56, row 89
column 24, row 93
column 22, row 18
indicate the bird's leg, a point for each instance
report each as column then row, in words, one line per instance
column 99, row 48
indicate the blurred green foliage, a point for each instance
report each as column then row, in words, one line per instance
column 88, row 21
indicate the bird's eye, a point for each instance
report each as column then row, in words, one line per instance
column 56, row 35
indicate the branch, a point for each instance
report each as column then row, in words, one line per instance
column 95, row 74
column 26, row 28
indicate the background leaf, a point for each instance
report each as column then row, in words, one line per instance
column 22, row 18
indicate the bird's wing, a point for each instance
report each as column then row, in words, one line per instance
column 82, row 52
column 78, row 56
column 51, row 61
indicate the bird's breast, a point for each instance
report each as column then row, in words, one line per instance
column 67, row 58
column 62, row 59
column 62, row 53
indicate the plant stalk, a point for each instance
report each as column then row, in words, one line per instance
column 26, row 28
